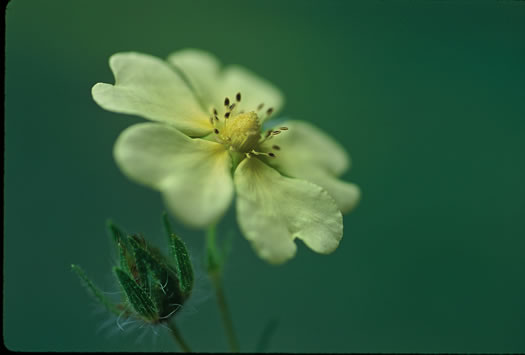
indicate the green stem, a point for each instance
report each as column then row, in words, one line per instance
column 214, row 271
column 225, row 314
column 178, row 337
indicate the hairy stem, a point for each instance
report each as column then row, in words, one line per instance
column 215, row 273
column 178, row 337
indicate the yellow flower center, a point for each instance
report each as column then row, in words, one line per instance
column 241, row 131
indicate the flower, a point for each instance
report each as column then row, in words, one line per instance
column 207, row 143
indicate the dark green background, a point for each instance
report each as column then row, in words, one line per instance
column 429, row 99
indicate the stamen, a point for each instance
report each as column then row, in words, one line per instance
column 267, row 136
column 238, row 97
column 226, row 101
column 276, row 147
column 254, row 152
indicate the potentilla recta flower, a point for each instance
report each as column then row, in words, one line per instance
column 207, row 144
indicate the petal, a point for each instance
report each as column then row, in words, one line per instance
column 346, row 194
column 308, row 153
column 306, row 145
column 213, row 85
column 149, row 87
column 194, row 175
column 254, row 90
column 273, row 210
column 202, row 70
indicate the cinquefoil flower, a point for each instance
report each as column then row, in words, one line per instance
column 207, row 143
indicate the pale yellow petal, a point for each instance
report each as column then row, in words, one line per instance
column 149, row 87
column 303, row 145
column 273, row 210
column 254, row 91
column 213, row 84
column 310, row 154
column 194, row 175
column 202, row 70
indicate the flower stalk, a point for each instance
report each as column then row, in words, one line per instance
column 215, row 263
column 178, row 337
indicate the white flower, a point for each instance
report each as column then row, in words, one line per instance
column 207, row 142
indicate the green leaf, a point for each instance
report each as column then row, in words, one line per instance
column 94, row 290
column 137, row 296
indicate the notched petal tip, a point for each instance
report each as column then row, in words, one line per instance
column 149, row 87
column 352, row 198
column 273, row 210
column 99, row 92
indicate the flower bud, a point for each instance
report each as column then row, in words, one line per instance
column 155, row 286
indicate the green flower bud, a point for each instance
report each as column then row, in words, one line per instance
column 155, row 286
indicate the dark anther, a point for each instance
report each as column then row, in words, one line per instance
column 215, row 112
column 269, row 111
column 226, row 102
column 272, row 155
column 238, row 97
column 227, row 115
column 276, row 147
column 276, row 132
column 216, row 118
column 260, row 106
column 268, row 133
column 216, row 131
column 232, row 106
column 283, row 128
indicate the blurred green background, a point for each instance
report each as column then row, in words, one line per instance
column 429, row 99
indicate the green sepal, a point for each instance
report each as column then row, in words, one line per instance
column 183, row 266
column 181, row 258
column 164, row 282
column 94, row 290
column 137, row 296
column 167, row 225
column 120, row 238
column 149, row 264
column 141, row 272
